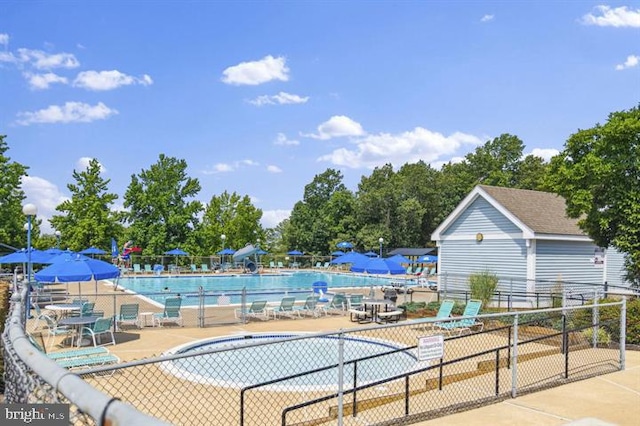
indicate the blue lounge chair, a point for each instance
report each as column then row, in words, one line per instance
column 170, row 314
column 78, row 358
column 444, row 312
column 471, row 310
column 101, row 327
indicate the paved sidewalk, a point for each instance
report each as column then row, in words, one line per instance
column 611, row 399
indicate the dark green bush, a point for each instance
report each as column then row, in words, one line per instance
column 610, row 315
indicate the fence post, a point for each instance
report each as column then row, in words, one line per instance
column 200, row 307
column 623, row 333
column 115, row 314
column 446, row 284
column 243, row 305
column 514, row 359
column 340, row 376
column 595, row 320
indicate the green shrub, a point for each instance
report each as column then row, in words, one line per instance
column 603, row 337
column 413, row 307
column 483, row 285
column 610, row 316
column 4, row 310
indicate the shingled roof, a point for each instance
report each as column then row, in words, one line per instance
column 542, row 212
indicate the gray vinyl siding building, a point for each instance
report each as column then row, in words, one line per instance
column 525, row 238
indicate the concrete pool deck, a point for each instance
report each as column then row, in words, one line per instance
column 611, row 399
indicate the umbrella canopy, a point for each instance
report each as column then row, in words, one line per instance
column 400, row 259
column 78, row 269
column 379, row 266
column 295, row 253
column 337, row 253
column 427, row 258
column 22, row 256
column 351, row 257
column 93, row 250
column 226, row 251
column 53, row 250
column 177, row 252
column 344, row 245
column 66, row 256
column 371, row 254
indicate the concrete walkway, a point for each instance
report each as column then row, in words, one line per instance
column 611, row 399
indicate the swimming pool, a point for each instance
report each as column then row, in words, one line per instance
column 269, row 287
column 250, row 365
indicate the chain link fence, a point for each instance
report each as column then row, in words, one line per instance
column 371, row 375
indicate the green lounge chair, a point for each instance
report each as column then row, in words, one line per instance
column 310, row 307
column 129, row 314
column 205, row 268
column 170, row 314
column 136, row 268
column 337, row 305
column 471, row 310
column 286, row 308
column 258, row 309
column 148, row 269
column 78, row 358
column 444, row 312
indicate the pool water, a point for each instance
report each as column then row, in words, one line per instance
column 259, row 364
column 270, row 287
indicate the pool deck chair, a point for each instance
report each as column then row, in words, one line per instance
column 337, row 305
column 258, row 310
column 356, row 308
column 286, row 308
column 205, row 268
column 136, row 268
column 471, row 310
column 128, row 315
column 171, row 313
column 78, row 358
column 148, row 269
column 444, row 312
column 101, row 327
column 310, row 307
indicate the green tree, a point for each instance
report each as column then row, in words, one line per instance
column 160, row 215
column 235, row 217
column 87, row 219
column 11, row 199
column 598, row 174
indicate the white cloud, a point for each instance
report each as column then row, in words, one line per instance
column 545, row 153
column 249, row 162
column 632, row 61
column 43, row 81
column 83, row 163
column 486, row 18
column 230, row 167
column 108, row 80
column 4, row 39
column 281, row 139
column 43, row 60
column 274, row 169
column 279, row 99
column 257, row 72
column 271, row 218
column 408, row 147
column 46, row 196
column 222, row 168
column 337, row 126
column 70, row 112
column 605, row 16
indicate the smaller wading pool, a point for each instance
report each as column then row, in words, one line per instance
column 262, row 362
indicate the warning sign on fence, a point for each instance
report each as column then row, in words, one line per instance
column 430, row 347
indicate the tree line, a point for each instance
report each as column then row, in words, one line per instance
column 598, row 173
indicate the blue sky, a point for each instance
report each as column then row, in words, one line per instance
column 259, row 97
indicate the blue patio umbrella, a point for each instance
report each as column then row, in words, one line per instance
column 226, row 251
column 400, row 259
column 78, row 269
column 53, row 250
column 176, row 252
column 344, row 245
column 379, row 266
column 427, row 258
column 337, row 253
column 351, row 257
column 295, row 253
column 93, row 250
column 371, row 254
column 22, row 256
column 66, row 256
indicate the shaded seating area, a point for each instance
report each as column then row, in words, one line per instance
column 171, row 313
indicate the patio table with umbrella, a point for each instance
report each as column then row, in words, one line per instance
column 79, row 269
column 295, row 253
column 378, row 266
column 93, row 251
column 344, row 245
column 223, row 253
column 176, row 252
